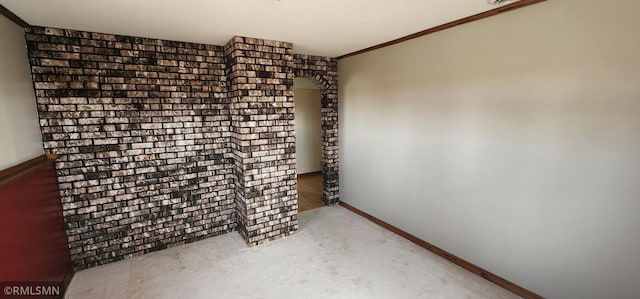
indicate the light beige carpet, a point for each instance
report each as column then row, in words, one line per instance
column 336, row 254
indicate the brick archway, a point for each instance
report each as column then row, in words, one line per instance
column 323, row 71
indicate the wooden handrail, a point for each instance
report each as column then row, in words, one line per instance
column 24, row 168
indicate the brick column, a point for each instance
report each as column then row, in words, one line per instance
column 260, row 74
column 323, row 71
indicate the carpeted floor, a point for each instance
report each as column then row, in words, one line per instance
column 336, row 254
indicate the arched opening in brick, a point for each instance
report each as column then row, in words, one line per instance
column 329, row 125
column 307, row 100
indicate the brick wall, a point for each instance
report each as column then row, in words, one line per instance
column 263, row 137
column 163, row 143
column 142, row 127
column 323, row 71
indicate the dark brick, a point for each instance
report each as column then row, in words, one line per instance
column 147, row 119
column 263, row 74
column 97, row 175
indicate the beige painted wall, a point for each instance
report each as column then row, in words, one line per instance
column 513, row 142
column 20, row 137
column 308, row 128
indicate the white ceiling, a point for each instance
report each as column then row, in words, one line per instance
column 319, row 27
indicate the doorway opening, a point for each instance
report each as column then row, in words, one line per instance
column 308, row 127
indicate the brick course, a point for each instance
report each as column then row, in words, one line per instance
column 163, row 143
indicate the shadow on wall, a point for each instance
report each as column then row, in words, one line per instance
column 508, row 144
